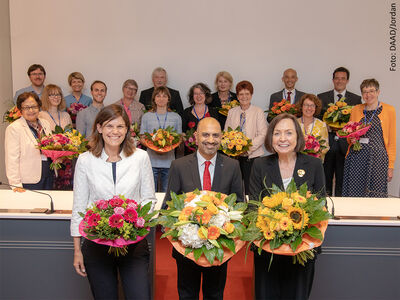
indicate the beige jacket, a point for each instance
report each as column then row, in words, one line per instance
column 23, row 159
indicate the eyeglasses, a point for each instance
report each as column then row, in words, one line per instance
column 368, row 92
column 54, row 95
column 131, row 88
column 117, row 127
column 309, row 105
column 27, row 108
column 36, row 74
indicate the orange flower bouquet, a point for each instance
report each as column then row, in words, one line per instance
column 290, row 222
column 338, row 114
column 234, row 142
column 224, row 110
column 204, row 226
column 161, row 140
column 12, row 115
column 281, row 107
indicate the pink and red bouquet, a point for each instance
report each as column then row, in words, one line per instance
column 117, row 222
column 74, row 109
column 12, row 115
column 190, row 139
column 314, row 145
column 62, row 143
column 353, row 131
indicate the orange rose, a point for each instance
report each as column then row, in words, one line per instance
column 278, row 111
column 229, row 227
column 213, row 233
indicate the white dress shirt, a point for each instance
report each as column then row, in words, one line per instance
column 336, row 93
column 292, row 95
column 201, row 161
column 93, row 181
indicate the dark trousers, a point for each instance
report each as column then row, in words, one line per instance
column 102, row 270
column 189, row 278
column 46, row 181
column 245, row 167
column 334, row 164
column 284, row 280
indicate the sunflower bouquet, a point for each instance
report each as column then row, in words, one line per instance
column 281, row 107
column 204, row 226
column 162, row 140
column 116, row 222
column 337, row 114
column 234, row 142
column 224, row 110
column 12, row 115
column 62, row 143
column 290, row 222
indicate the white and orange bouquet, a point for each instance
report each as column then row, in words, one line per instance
column 224, row 110
column 314, row 145
column 337, row 114
column 62, row 143
column 234, row 142
column 12, row 115
column 353, row 131
column 281, row 107
column 117, row 222
column 204, row 226
column 291, row 222
column 161, row 140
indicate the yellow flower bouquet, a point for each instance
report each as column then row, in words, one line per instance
column 290, row 222
column 338, row 114
column 234, row 142
column 204, row 226
column 12, row 114
column 224, row 110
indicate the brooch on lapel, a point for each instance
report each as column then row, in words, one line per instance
column 301, row 172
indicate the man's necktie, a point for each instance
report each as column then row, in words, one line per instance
column 340, row 96
column 289, row 98
column 207, row 177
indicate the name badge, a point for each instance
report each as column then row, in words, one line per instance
column 364, row 140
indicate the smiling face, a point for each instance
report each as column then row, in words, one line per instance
column 289, row 79
column 370, row 95
column 208, row 137
column 98, row 92
column 223, row 84
column 76, row 85
column 340, row 81
column 308, row 108
column 129, row 91
column 37, row 77
column 113, row 132
column 54, row 98
column 30, row 109
column 198, row 96
column 244, row 97
column 161, row 100
column 284, row 138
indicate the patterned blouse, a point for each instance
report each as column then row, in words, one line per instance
column 317, row 128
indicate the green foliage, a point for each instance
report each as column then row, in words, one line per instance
column 314, row 232
column 231, row 200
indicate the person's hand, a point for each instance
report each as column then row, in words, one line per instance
column 353, row 140
column 19, row 190
column 78, row 263
column 390, row 174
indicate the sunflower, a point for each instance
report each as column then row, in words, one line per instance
column 274, row 200
column 298, row 217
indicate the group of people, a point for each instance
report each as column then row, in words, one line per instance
column 114, row 165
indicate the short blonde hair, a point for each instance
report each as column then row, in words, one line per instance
column 45, row 97
column 75, row 75
column 225, row 75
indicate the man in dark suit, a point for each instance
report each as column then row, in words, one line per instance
column 334, row 159
column 189, row 173
column 159, row 78
column 289, row 93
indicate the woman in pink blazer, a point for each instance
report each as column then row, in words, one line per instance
column 25, row 165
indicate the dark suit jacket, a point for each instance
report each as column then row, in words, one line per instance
column 327, row 97
column 278, row 96
column 267, row 168
column 184, row 176
column 216, row 102
column 175, row 105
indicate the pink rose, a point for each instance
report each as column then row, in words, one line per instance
column 130, row 215
column 140, row 222
column 116, row 221
column 101, row 204
column 119, row 210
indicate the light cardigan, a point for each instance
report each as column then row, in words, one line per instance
column 23, row 159
column 388, row 122
column 65, row 119
column 93, row 181
column 255, row 127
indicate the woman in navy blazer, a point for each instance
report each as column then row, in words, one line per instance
column 284, row 280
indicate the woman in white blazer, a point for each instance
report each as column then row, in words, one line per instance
column 25, row 165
